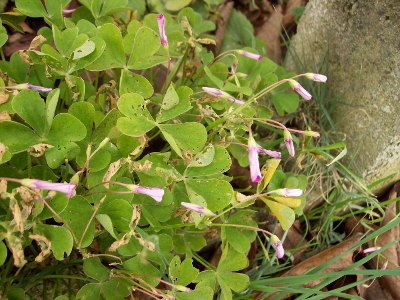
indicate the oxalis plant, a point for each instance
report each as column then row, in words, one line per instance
column 116, row 142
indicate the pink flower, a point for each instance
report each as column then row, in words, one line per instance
column 316, row 77
column 233, row 100
column 28, row 86
column 250, row 55
column 153, row 192
column 287, row 137
column 161, row 29
column 66, row 188
column 274, row 154
column 276, row 242
column 371, row 249
column 289, row 192
column 299, row 89
column 255, row 173
column 213, row 91
column 221, row 94
column 198, row 208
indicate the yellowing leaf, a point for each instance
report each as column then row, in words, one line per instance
column 291, row 202
column 269, row 170
column 284, row 214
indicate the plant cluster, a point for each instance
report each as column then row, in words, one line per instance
column 117, row 139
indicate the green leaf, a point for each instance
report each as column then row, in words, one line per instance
column 138, row 265
column 175, row 5
column 239, row 32
column 119, row 211
column 82, row 51
column 221, row 162
column 51, row 105
column 105, row 126
column 107, row 224
column 3, row 253
column 77, row 214
column 60, row 238
column 203, row 158
column 84, row 112
column 285, row 102
column 56, row 156
column 95, row 269
column 101, row 8
column 135, row 83
column 113, row 55
column 175, row 103
column 66, row 128
column 182, row 273
column 31, row 8
column 99, row 46
column 138, row 120
column 232, row 260
column 90, row 291
column 64, row 40
column 213, row 193
column 240, row 239
column 31, row 107
column 235, row 281
column 145, row 46
column 114, row 289
column 198, row 24
column 188, row 136
column 3, row 35
column 170, row 99
column 58, row 203
column 17, row 137
column 284, row 214
column 200, row 293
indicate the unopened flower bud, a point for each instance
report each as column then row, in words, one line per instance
column 276, row 242
column 287, row 137
column 250, row 55
column 299, row 89
column 316, row 77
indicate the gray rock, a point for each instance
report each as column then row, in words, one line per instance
column 360, row 40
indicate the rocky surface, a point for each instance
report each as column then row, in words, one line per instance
column 358, row 42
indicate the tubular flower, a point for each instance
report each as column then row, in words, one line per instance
column 221, row 94
column 28, row 86
column 276, row 242
column 198, row 208
column 66, row 188
column 299, row 89
column 161, row 29
column 153, row 192
column 274, row 154
column 255, row 173
column 316, row 77
column 371, row 249
column 287, row 137
column 250, row 55
column 289, row 192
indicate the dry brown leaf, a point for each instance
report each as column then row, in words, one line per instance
column 325, row 256
column 288, row 18
column 38, row 149
column 225, row 11
column 112, row 170
column 390, row 283
column 3, row 97
column 270, row 32
column 375, row 292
